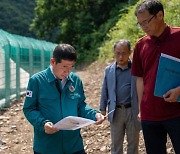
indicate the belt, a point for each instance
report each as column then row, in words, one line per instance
column 123, row 106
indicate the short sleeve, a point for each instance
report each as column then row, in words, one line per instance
column 137, row 69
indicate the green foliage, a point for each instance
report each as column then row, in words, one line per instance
column 83, row 24
column 16, row 16
column 91, row 53
column 172, row 12
column 92, row 26
column 126, row 27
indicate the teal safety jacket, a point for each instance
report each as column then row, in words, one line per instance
column 43, row 102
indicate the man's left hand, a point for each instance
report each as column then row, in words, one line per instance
column 172, row 95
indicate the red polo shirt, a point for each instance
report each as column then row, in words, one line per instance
column 145, row 63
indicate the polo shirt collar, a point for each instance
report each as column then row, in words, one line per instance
column 164, row 34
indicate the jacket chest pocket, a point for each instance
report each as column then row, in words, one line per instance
column 71, row 102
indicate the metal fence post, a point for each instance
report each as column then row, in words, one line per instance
column 18, row 73
column 7, row 75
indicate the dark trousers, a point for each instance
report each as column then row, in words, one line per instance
column 79, row 152
column 155, row 135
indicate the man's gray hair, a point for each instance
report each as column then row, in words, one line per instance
column 122, row 42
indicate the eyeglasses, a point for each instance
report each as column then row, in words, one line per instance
column 146, row 22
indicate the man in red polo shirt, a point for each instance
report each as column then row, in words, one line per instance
column 159, row 116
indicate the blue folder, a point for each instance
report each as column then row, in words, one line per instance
column 168, row 75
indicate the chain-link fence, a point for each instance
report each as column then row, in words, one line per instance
column 20, row 58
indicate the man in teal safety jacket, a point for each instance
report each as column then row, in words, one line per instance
column 52, row 95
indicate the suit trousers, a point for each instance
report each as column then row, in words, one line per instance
column 122, row 124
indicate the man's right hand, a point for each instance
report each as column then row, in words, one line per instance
column 49, row 129
column 139, row 117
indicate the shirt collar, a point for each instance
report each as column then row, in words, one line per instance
column 127, row 67
column 163, row 36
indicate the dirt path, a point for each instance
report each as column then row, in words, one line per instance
column 16, row 134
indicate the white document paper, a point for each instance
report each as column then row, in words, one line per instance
column 73, row 123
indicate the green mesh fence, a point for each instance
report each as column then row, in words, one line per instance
column 20, row 58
